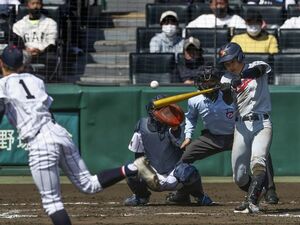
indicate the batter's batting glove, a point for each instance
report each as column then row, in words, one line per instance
column 147, row 173
column 235, row 82
column 225, row 87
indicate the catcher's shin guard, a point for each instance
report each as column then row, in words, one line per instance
column 147, row 173
column 138, row 186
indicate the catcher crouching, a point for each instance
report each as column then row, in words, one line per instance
column 156, row 144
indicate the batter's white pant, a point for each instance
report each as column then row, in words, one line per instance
column 53, row 148
column 251, row 143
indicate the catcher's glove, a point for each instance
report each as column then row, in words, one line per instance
column 147, row 173
column 171, row 115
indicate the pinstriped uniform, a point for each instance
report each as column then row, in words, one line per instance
column 50, row 145
column 252, row 138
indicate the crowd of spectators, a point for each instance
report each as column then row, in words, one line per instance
column 38, row 34
column 254, row 36
column 41, row 32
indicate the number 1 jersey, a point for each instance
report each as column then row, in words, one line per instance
column 27, row 103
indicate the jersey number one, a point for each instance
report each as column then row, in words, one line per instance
column 29, row 95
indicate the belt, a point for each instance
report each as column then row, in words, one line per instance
column 253, row 117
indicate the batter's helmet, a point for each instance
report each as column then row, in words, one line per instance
column 230, row 51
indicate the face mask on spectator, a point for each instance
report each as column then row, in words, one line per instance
column 35, row 13
column 169, row 30
column 193, row 63
column 253, row 30
column 221, row 12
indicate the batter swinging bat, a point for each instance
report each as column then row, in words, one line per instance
column 177, row 98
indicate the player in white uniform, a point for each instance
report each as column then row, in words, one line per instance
column 26, row 104
column 253, row 127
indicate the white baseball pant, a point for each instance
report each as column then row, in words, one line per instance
column 53, row 148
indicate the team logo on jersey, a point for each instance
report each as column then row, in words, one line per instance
column 243, row 85
column 229, row 113
column 222, row 53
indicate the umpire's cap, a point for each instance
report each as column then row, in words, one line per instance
column 230, row 51
column 12, row 56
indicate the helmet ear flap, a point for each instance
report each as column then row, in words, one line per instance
column 240, row 56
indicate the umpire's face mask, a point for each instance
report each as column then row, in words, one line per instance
column 35, row 13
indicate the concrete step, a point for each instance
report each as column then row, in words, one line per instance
column 129, row 22
column 113, row 34
column 115, row 46
column 110, row 80
column 126, row 5
column 132, row 19
column 102, row 70
column 109, row 58
column 120, row 34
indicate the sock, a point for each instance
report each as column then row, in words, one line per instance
column 130, row 170
column 110, row 177
column 60, row 218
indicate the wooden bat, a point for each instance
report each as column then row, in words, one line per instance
column 177, row 98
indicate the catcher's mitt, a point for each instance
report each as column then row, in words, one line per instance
column 171, row 115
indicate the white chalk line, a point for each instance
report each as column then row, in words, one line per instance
column 29, row 213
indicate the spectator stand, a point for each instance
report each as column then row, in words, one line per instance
column 289, row 41
column 7, row 19
column 293, row 11
column 286, row 69
column 273, row 15
column 145, row 67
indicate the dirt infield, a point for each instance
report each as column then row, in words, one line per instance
column 20, row 204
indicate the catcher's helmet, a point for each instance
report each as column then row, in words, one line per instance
column 230, row 51
column 149, row 106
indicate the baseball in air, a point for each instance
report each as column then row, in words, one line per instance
column 154, row 84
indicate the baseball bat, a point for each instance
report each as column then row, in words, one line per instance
column 177, row 98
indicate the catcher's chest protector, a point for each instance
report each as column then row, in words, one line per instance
column 159, row 150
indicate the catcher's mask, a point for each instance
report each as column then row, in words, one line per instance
column 207, row 77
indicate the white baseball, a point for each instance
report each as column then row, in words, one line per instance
column 154, row 84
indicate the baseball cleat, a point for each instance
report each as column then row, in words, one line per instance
column 147, row 173
column 136, row 201
column 176, row 198
column 247, row 208
column 271, row 197
column 204, row 201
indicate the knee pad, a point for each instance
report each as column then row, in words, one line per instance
column 186, row 174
